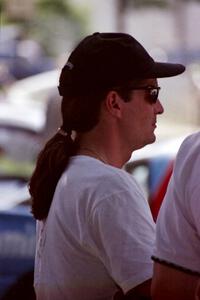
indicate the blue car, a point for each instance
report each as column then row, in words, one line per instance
column 17, row 240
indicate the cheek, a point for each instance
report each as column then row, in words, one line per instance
column 139, row 114
column 143, row 115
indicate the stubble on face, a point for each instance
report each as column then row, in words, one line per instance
column 141, row 117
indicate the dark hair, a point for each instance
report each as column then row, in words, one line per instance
column 79, row 113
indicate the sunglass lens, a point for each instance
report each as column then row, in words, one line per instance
column 154, row 94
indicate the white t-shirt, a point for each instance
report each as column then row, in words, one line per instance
column 178, row 223
column 99, row 234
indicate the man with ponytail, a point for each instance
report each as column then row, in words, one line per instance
column 95, row 232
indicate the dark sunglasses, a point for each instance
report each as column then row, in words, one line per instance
column 153, row 92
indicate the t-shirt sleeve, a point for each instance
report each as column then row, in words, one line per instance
column 177, row 229
column 124, row 235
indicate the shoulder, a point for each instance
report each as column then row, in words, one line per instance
column 118, row 180
column 177, row 241
column 190, row 146
column 116, row 188
column 188, row 157
column 190, row 139
column 98, row 182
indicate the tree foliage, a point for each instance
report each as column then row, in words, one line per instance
column 58, row 7
column 57, row 23
column 148, row 3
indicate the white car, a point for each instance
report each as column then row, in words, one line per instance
column 29, row 114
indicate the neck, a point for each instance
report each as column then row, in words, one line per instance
column 103, row 145
column 93, row 153
column 109, row 158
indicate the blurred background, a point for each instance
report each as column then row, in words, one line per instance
column 36, row 37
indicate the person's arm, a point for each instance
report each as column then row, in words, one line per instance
column 171, row 283
column 197, row 291
column 140, row 292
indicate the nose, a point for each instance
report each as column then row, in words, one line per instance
column 159, row 109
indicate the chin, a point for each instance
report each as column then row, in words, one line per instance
column 145, row 142
column 150, row 141
column 153, row 139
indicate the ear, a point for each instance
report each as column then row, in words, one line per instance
column 114, row 103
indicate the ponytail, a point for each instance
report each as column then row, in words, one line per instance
column 51, row 163
column 80, row 112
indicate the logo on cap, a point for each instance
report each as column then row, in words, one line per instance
column 69, row 65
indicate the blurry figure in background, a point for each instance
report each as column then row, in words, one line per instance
column 34, row 54
column 177, row 253
column 95, row 233
column 21, row 56
column 30, row 49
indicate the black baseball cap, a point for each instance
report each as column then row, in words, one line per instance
column 107, row 60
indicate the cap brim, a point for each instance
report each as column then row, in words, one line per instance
column 161, row 70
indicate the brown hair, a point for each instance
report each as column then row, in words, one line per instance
column 80, row 112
